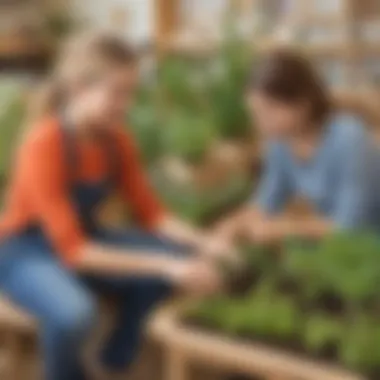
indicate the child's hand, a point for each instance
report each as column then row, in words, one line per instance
column 260, row 232
column 219, row 248
column 195, row 276
column 270, row 231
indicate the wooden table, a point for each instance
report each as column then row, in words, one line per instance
column 185, row 346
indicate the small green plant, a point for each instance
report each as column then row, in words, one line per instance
column 360, row 347
column 348, row 265
column 273, row 316
column 321, row 331
column 331, row 307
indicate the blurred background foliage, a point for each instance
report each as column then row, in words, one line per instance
column 12, row 112
column 195, row 104
column 195, row 100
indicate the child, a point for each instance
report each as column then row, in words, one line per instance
column 54, row 255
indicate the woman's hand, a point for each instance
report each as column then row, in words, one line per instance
column 195, row 276
column 268, row 231
column 211, row 246
column 219, row 248
column 277, row 229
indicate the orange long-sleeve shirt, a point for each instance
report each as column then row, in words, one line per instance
column 39, row 192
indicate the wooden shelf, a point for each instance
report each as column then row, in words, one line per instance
column 16, row 47
column 195, row 45
column 321, row 19
column 335, row 49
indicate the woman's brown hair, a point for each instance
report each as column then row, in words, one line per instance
column 290, row 77
column 83, row 58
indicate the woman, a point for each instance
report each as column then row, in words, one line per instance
column 312, row 152
column 53, row 253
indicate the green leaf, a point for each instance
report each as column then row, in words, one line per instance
column 322, row 331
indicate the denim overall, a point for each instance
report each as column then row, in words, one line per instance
column 64, row 302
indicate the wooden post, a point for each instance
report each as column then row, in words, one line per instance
column 166, row 20
column 176, row 368
column 13, row 355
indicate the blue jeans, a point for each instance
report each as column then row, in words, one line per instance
column 65, row 303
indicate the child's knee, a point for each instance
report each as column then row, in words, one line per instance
column 77, row 318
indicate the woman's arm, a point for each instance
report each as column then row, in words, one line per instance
column 137, row 191
column 274, row 190
column 236, row 224
column 190, row 274
column 182, row 232
column 41, row 167
column 207, row 244
column 268, row 230
column 252, row 224
column 102, row 259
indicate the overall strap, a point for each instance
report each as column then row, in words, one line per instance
column 113, row 154
column 108, row 143
column 70, row 152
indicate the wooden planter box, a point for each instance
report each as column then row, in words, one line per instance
column 187, row 345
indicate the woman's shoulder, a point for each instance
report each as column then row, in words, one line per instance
column 43, row 129
column 42, row 136
column 347, row 129
column 347, row 125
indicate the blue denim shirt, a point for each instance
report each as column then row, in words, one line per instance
column 342, row 179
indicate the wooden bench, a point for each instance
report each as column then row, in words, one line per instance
column 14, row 326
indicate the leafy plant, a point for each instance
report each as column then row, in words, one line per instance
column 194, row 101
column 274, row 316
column 188, row 136
column 322, row 331
column 347, row 263
column 343, row 269
column 228, row 89
column 361, row 345
column 144, row 122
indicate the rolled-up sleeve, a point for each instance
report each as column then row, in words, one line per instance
column 136, row 189
column 41, row 167
column 274, row 188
